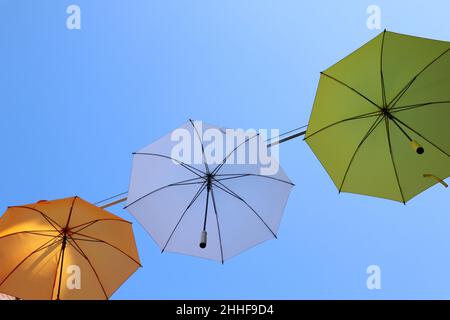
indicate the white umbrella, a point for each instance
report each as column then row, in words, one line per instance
column 6, row 297
column 204, row 206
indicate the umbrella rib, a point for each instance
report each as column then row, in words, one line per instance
column 176, row 184
column 40, row 248
column 32, row 232
column 217, row 221
column 70, row 213
column 408, row 85
column 420, row 135
column 81, row 252
column 107, row 243
column 90, row 223
column 400, row 94
column 243, row 175
column 352, row 89
column 383, row 89
column 201, row 143
column 386, row 121
column 417, row 105
column 234, row 194
column 371, row 129
column 199, row 191
column 184, row 165
column 362, row 116
column 47, row 218
column 216, row 170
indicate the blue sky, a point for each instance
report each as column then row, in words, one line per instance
column 74, row 105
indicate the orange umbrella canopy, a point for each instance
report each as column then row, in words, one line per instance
column 64, row 249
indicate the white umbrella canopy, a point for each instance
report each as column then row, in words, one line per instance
column 6, row 297
column 205, row 191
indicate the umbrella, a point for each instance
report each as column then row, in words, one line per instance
column 379, row 123
column 64, row 249
column 6, row 297
column 214, row 206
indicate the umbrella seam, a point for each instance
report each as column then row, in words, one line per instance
column 368, row 133
column 197, row 194
column 386, row 121
column 408, row 85
column 234, row 194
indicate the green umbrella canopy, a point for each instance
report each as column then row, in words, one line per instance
column 380, row 121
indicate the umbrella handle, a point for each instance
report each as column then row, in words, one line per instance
column 429, row 175
column 417, row 147
column 113, row 203
column 203, row 239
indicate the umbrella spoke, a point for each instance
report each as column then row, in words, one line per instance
column 371, row 129
column 201, row 143
column 400, row 94
column 218, row 225
column 352, row 89
column 190, row 168
column 386, row 121
column 44, row 246
column 418, row 105
column 216, row 170
column 176, row 184
column 200, row 190
column 242, row 175
column 46, row 217
column 70, row 213
column 93, row 239
column 383, row 89
column 420, row 135
column 81, row 252
column 90, row 223
column 227, row 190
column 408, row 85
column 32, row 232
column 362, row 116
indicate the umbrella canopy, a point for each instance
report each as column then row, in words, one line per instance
column 379, row 123
column 64, row 249
column 6, row 297
column 214, row 207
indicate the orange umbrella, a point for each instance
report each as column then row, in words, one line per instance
column 64, row 249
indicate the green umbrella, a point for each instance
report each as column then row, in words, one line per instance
column 380, row 121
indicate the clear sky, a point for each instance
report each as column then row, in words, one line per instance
column 74, row 105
